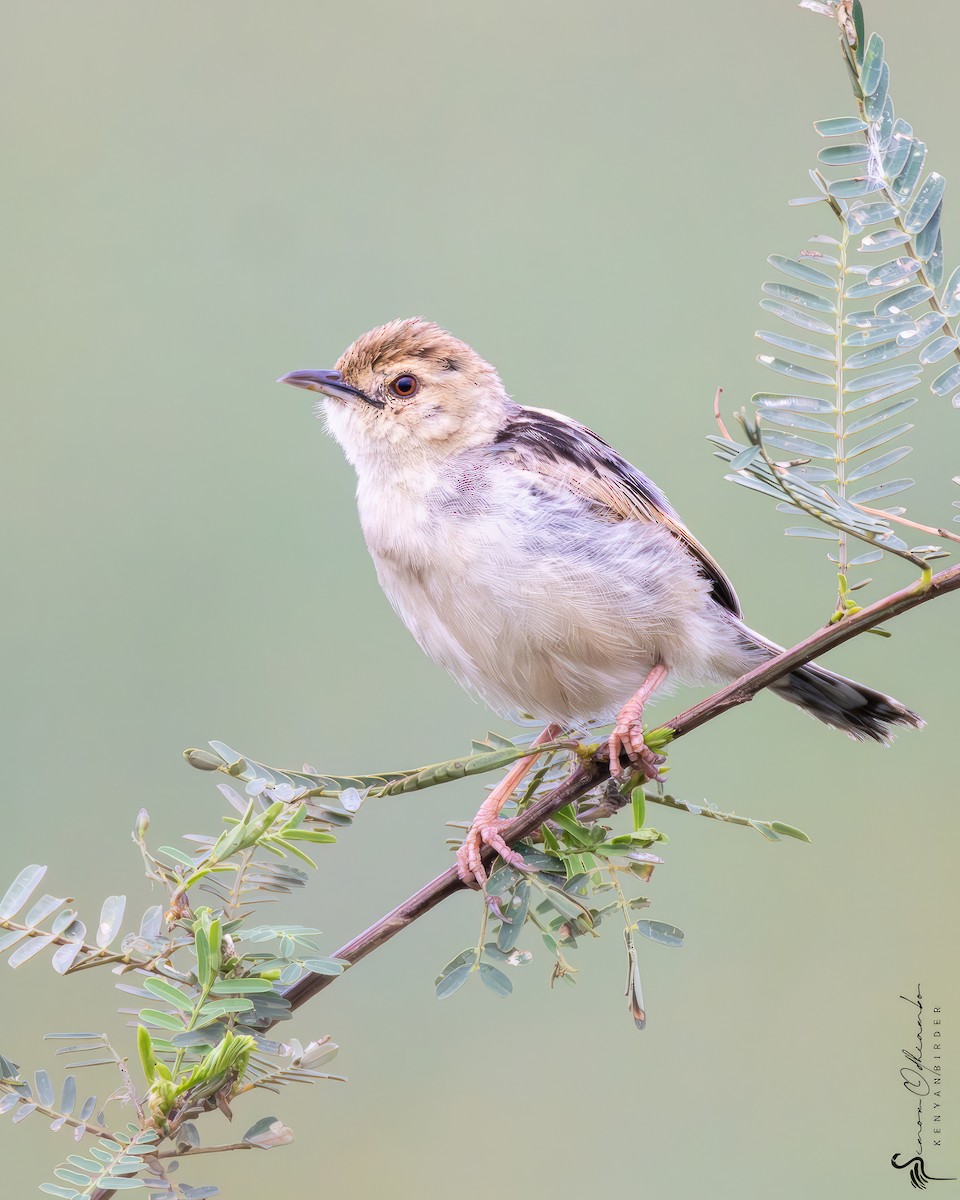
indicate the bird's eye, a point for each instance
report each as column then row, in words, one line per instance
column 405, row 386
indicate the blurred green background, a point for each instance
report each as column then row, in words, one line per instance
column 201, row 197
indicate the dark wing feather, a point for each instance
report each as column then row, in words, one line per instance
column 552, row 445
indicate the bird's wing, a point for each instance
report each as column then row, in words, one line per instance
column 557, row 448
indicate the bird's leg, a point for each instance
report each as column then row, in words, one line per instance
column 628, row 731
column 484, row 829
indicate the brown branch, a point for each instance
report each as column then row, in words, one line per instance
column 594, row 769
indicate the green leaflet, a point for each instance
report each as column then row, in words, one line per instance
column 888, row 163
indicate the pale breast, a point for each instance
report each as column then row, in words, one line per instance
column 531, row 600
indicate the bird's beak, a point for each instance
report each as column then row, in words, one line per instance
column 329, row 383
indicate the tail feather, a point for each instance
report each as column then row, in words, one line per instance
column 859, row 711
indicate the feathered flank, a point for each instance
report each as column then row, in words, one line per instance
column 549, row 443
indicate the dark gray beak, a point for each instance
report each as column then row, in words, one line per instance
column 329, row 383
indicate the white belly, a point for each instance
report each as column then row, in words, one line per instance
column 539, row 608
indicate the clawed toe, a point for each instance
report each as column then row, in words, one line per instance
column 651, row 762
column 485, row 830
column 629, row 737
column 469, row 863
column 628, row 731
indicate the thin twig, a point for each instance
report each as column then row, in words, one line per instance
column 90, row 952
column 593, row 769
column 73, row 1122
column 716, row 412
column 193, row 1151
column 704, row 810
column 879, row 512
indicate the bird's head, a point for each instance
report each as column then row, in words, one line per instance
column 408, row 391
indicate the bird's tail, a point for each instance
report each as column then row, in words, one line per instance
column 861, row 712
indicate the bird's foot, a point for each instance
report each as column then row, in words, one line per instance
column 628, row 736
column 485, row 831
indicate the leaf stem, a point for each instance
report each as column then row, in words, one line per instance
column 192, row 1151
column 887, row 192
column 73, row 1122
column 878, row 512
column 840, row 452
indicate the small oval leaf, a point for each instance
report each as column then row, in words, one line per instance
column 453, row 980
column 795, row 420
column 858, row 185
column 902, row 187
column 166, row 991
column 44, row 1089
column 325, row 966
column 65, row 956
column 878, row 464
column 495, row 980
column 857, row 152
column 939, row 348
column 810, row 531
column 873, row 105
column 802, row 447
column 872, row 64
column 907, row 374
column 802, row 270
column 26, row 950
column 793, row 346
column 925, row 242
column 783, row 291
column 881, row 490
column 111, row 916
column 946, row 382
column 795, row 316
column 793, row 370
column 883, row 414
column 872, row 443
column 861, row 215
column 950, row 302
column 893, row 273
column 839, row 126
column 18, row 893
column 885, row 239
column 926, row 202
column 881, row 353
column 658, row 931
column 795, row 403
column 895, row 155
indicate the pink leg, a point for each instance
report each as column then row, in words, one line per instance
column 484, row 829
column 628, row 731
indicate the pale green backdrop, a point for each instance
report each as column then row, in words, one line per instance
column 199, row 197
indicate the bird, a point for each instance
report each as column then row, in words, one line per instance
column 542, row 570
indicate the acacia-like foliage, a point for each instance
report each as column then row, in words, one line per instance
column 208, row 985
column 863, row 298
